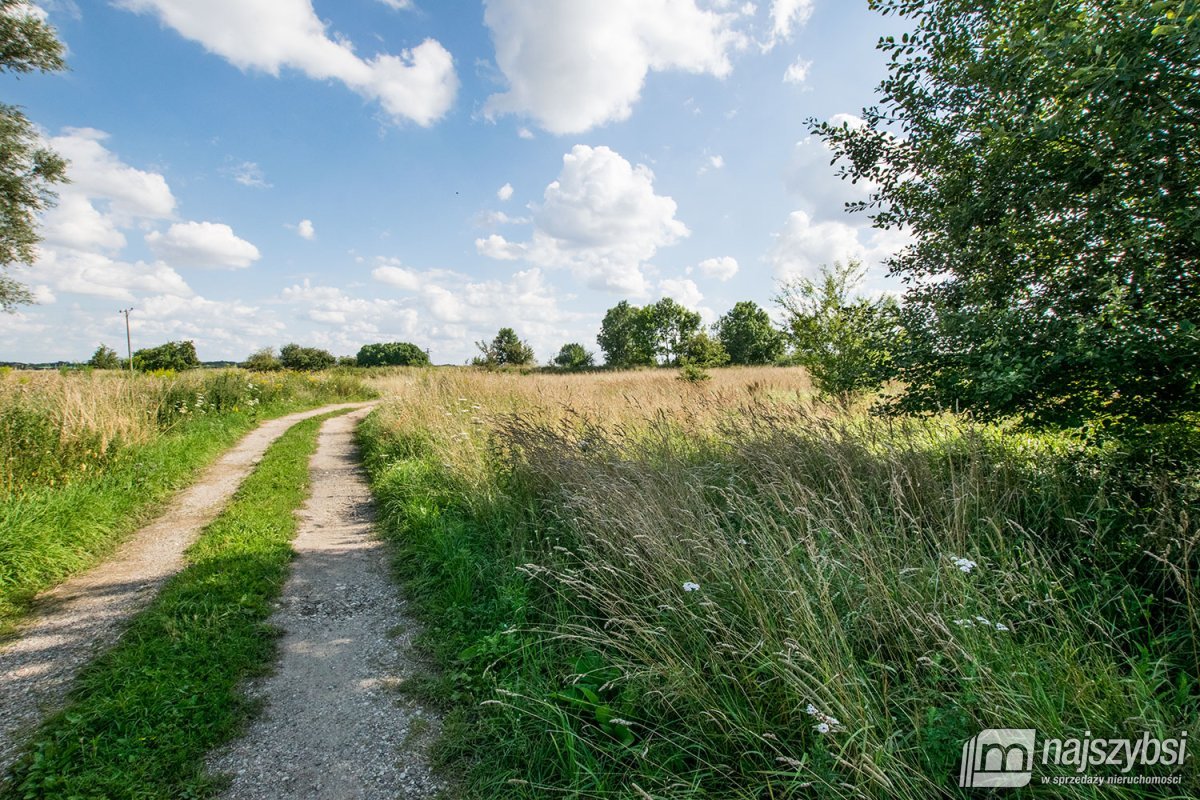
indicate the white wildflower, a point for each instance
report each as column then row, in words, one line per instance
column 1000, row 626
column 691, row 586
column 963, row 564
column 822, row 727
column 811, row 710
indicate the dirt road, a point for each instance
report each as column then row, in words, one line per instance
column 86, row 614
column 334, row 725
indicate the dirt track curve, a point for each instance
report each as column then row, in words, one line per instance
column 86, row 614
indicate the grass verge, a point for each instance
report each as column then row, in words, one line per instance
column 773, row 604
column 143, row 716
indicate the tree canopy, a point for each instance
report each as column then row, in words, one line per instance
column 397, row 354
column 305, row 359
column 27, row 168
column 178, row 356
column 748, row 336
column 1045, row 157
column 506, row 349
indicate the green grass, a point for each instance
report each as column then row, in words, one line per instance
column 50, row 532
column 142, row 716
column 550, row 567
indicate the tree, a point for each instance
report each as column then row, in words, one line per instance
column 844, row 343
column 672, row 326
column 27, row 169
column 573, row 356
column 747, row 334
column 305, row 359
column 1046, row 166
column 702, row 350
column 105, row 358
column 396, row 354
column 177, row 356
column 506, row 349
column 263, row 360
column 626, row 337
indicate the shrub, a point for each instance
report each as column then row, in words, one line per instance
column 263, row 360
column 573, row 356
column 105, row 358
column 703, row 351
column 845, row 344
column 177, row 356
column 305, row 359
column 392, row 354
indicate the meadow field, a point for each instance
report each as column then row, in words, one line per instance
column 637, row 586
column 628, row 584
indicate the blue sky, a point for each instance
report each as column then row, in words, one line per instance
column 252, row 172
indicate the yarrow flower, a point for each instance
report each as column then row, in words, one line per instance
column 963, row 564
column 691, row 586
column 826, row 723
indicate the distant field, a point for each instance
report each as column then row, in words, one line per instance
column 641, row 587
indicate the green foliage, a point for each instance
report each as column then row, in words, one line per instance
column 673, row 326
column 693, row 373
column 396, row 354
column 821, row 559
column 263, row 360
column 1047, row 171
column 573, row 356
column 703, row 350
column 748, row 336
column 846, row 344
column 104, row 358
column 626, row 337
column 506, row 349
column 144, row 716
column 305, row 359
column 27, row 168
column 636, row 337
column 177, row 356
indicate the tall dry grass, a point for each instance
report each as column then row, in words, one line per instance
column 664, row 590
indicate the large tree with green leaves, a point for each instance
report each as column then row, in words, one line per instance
column 627, row 336
column 673, row 326
column 747, row 334
column 1045, row 155
column 506, row 349
column 27, row 168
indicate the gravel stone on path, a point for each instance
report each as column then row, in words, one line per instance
column 334, row 724
column 85, row 615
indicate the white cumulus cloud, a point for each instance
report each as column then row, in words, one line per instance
column 306, row 230
column 722, row 268
column 505, row 192
column 202, row 244
column 574, row 64
column 419, row 84
column 601, row 218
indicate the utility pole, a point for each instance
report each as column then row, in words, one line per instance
column 128, row 340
